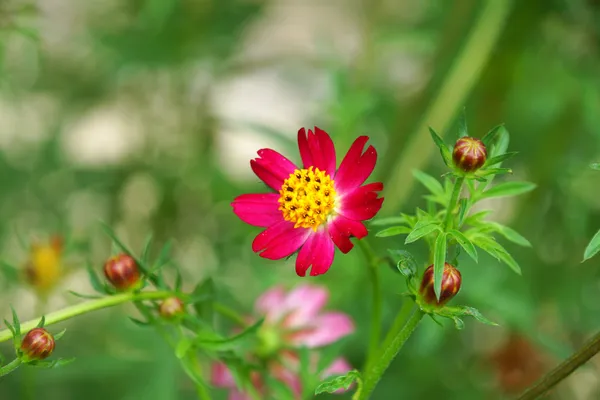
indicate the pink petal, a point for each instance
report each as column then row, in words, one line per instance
column 221, row 377
column 318, row 251
column 258, row 209
column 339, row 366
column 362, row 203
column 356, row 166
column 272, row 168
column 341, row 229
column 317, row 150
column 271, row 303
column 280, row 240
column 327, row 328
column 236, row 395
column 304, row 304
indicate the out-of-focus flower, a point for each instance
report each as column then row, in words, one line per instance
column 44, row 267
column 171, row 307
column 314, row 207
column 292, row 320
column 122, row 272
column 37, row 344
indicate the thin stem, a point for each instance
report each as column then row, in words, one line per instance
column 10, row 367
column 453, row 203
column 86, row 307
column 376, row 306
column 376, row 372
column 564, row 369
column 229, row 313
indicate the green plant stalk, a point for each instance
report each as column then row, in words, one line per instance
column 376, row 306
column 453, row 203
column 229, row 313
column 389, row 353
column 10, row 367
column 86, row 307
column 564, row 369
column 461, row 78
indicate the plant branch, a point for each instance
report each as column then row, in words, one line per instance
column 562, row 371
column 10, row 367
column 453, row 203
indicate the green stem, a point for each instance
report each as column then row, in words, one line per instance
column 10, row 367
column 453, row 203
column 376, row 306
column 376, row 372
column 460, row 80
column 229, row 313
column 86, row 307
column 564, row 369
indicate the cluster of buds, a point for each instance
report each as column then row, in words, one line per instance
column 451, row 281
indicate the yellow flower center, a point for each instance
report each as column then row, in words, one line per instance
column 307, row 197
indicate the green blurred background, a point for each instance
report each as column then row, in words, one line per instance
column 145, row 113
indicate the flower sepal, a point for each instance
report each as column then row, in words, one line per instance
column 340, row 382
column 455, row 313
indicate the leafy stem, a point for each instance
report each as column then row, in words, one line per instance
column 86, row 307
column 10, row 367
column 453, row 202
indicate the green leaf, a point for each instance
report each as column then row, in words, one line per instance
column 462, row 124
column 463, row 207
column 205, row 291
column 394, row 231
column 595, row 166
column 84, row 296
column 231, row 342
column 465, row 243
column 444, row 150
column 140, row 323
column 407, row 265
column 59, row 335
column 388, row 221
column 42, row 322
column 178, row 281
column 508, row 189
column 334, row 384
column 16, row 323
column 496, row 250
column 498, row 159
column 500, row 143
column 494, row 171
column 473, row 312
column 124, row 248
column 94, row 280
column 432, row 184
column 163, row 256
column 439, row 259
column 145, row 256
column 278, row 390
column 422, row 228
column 458, row 323
column 489, row 137
column 593, row 247
column 510, row 234
column 182, row 348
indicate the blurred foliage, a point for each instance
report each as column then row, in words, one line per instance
column 144, row 113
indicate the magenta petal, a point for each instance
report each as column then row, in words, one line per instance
column 258, row 209
column 304, row 302
column 235, row 395
column 356, row 166
column 318, row 252
column 341, row 229
column 317, row 150
column 272, row 168
column 304, row 149
column 221, row 377
column 363, row 203
column 328, row 328
column 280, row 240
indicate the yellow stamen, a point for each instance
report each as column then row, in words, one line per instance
column 307, row 198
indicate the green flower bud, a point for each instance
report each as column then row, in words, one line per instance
column 451, row 281
column 122, row 272
column 469, row 154
column 37, row 344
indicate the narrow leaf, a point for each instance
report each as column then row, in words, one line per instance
column 231, row 342
column 182, row 348
column 593, row 247
column 498, row 159
column 489, row 137
column 496, row 250
column 145, row 256
column 388, row 221
column 334, row 384
column 140, row 323
column 444, row 150
column 439, row 259
column 462, row 124
column 465, row 243
column 394, row 231
column 60, row 334
column 473, row 312
column 422, row 228
column 595, row 166
column 432, row 184
column 84, row 296
column 494, row 171
column 463, row 208
column 42, row 322
column 407, row 265
column 164, row 255
column 458, row 323
column 508, row 189
column 16, row 323
column 94, row 280
column 511, row 234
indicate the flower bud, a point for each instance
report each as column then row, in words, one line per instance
column 451, row 281
column 469, row 154
column 122, row 272
column 171, row 307
column 37, row 344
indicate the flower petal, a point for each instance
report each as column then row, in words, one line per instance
column 356, row 166
column 363, row 203
column 341, row 229
column 339, row 366
column 236, row 395
column 261, row 209
column 272, row 168
column 326, row 329
column 304, row 304
column 221, row 377
column 271, row 303
column 318, row 251
column 280, row 240
column 317, row 150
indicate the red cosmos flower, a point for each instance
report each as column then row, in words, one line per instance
column 313, row 207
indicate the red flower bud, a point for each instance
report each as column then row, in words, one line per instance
column 171, row 308
column 37, row 344
column 122, row 272
column 451, row 281
column 469, row 154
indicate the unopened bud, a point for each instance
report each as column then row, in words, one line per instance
column 451, row 281
column 469, row 154
column 37, row 344
column 122, row 272
column 171, row 307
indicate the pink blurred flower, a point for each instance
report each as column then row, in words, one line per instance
column 314, row 207
column 292, row 320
